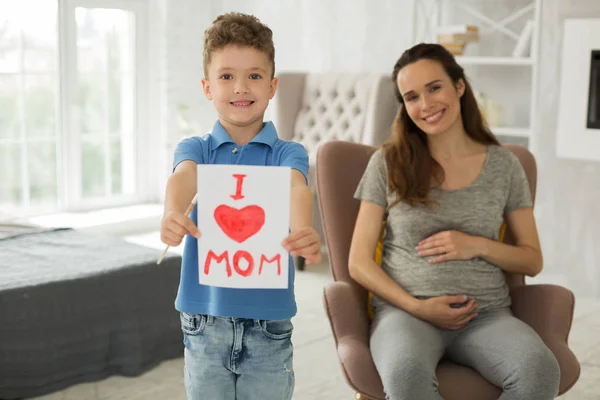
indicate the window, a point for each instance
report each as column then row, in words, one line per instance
column 72, row 81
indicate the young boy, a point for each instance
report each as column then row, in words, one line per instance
column 237, row 341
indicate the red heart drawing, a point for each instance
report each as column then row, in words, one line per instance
column 240, row 225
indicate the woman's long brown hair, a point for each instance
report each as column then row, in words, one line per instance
column 409, row 162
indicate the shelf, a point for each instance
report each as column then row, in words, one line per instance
column 509, row 61
column 510, row 131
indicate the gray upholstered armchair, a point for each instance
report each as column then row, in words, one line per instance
column 315, row 108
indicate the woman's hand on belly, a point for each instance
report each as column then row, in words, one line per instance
column 450, row 245
column 447, row 312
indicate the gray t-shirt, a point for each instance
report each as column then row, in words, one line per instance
column 477, row 210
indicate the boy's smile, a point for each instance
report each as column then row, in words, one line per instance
column 242, row 103
column 240, row 85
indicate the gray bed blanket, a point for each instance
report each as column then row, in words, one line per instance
column 78, row 307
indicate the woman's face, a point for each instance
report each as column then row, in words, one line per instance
column 432, row 101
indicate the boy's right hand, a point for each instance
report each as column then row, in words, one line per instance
column 439, row 311
column 174, row 226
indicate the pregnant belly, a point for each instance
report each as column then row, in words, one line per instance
column 474, row 278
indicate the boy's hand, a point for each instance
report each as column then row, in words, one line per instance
column 174, row 226
column 304, row 242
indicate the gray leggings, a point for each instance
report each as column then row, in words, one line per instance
column 503, row 349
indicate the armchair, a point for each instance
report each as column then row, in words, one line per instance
column 548, row 309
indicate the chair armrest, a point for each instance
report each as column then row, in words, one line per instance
column 347, row 314
column 548, row 309
column 349, row 321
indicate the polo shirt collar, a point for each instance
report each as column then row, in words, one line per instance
column 267, row 135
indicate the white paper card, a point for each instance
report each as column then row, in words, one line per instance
column 243, row 216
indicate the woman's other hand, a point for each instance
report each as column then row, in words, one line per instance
column 447, row 312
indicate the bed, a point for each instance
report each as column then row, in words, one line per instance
column 78, row 307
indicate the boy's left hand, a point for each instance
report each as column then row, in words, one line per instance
column 304, row 242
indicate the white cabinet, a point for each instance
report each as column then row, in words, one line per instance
column 578, row 133
column 502, row 64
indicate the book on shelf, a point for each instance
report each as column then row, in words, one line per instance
column 456, row 48
column 457, row 37
column 458, row 29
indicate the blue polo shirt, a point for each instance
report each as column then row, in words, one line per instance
column 217, row 147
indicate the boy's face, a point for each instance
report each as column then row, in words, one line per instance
column 240, row 85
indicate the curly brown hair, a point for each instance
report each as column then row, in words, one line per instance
column 409, row 162
column 238, row 29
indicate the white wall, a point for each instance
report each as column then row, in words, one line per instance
column 309, row 35
column 568, row 206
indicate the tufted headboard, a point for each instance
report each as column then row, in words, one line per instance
column 314, row 108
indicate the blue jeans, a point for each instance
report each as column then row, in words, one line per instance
column 237, row 358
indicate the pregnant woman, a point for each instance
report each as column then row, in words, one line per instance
column 444, row 186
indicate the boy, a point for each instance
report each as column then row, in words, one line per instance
column 237, row 341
